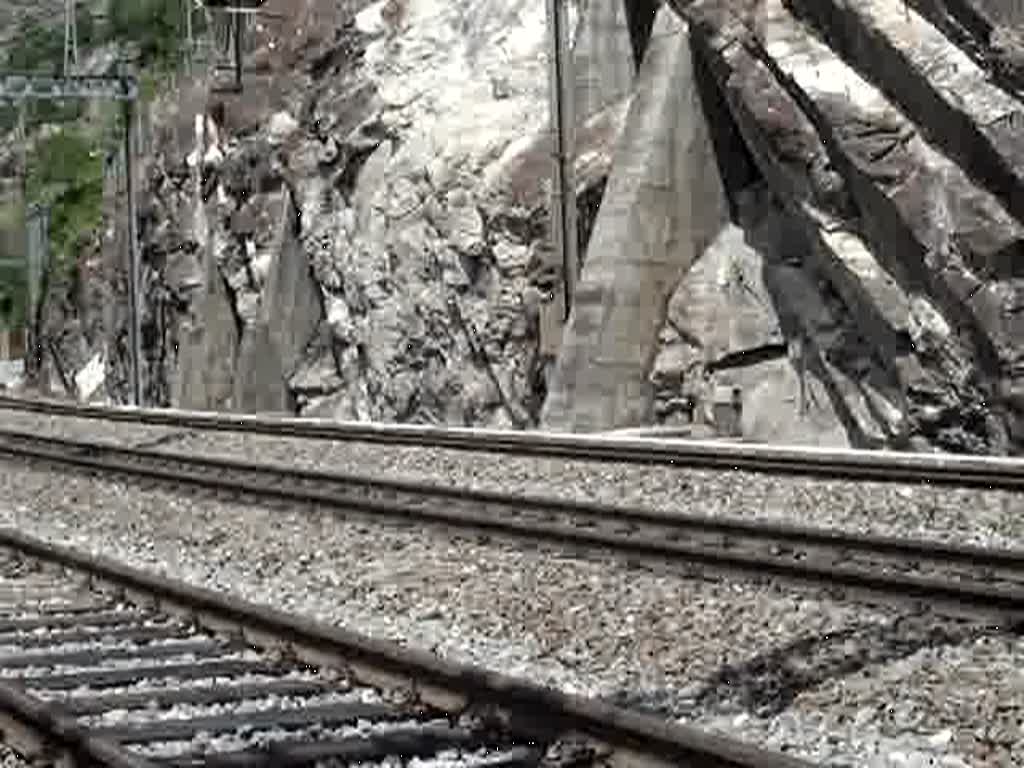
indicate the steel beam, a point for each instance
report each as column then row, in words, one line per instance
column 16, row 87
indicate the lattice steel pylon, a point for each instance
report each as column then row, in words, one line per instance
column 70, row 37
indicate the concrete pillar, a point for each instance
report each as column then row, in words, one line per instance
column 602, row 58
column 663, row 206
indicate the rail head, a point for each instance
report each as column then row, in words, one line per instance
column 680, row 520
column 990, row 472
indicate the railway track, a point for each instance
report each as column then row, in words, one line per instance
column 962, row 580
column 102, row 665
column 912, row 468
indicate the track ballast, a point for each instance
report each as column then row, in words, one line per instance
column 964, row 580
column 104, row 665
column 886, row 466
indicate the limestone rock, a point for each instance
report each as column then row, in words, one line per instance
column 927, row 75
column 815, row 204
column 316, row 378
column 281, row 126
column 1008, row 50
column 961, row 234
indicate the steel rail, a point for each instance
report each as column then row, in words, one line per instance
column 943, row 469
column 935, row 551
column 634, row 739
column 264, row 481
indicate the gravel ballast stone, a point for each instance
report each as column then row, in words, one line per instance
column 840, row 683
column 965, row 515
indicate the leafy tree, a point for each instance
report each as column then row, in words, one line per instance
column 66, row 172
column 155, row 25
column 37, row 48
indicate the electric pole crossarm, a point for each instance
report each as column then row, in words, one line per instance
column 16, row 87
column 251, row 12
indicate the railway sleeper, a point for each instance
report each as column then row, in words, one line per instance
column 139, row 671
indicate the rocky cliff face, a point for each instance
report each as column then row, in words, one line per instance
column 885, row 132
column 814, row 208
column 867, row 288
column 356, row 234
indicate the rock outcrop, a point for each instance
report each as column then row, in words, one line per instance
column 871, row 274
column 809, row 211
column 367, row 221
column 929, row 197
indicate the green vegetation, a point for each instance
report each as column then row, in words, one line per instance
column 65, row 171
column 157, row 27
column 39, row 113
column 154, row 25
column 40, row 48
column 13, row 289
